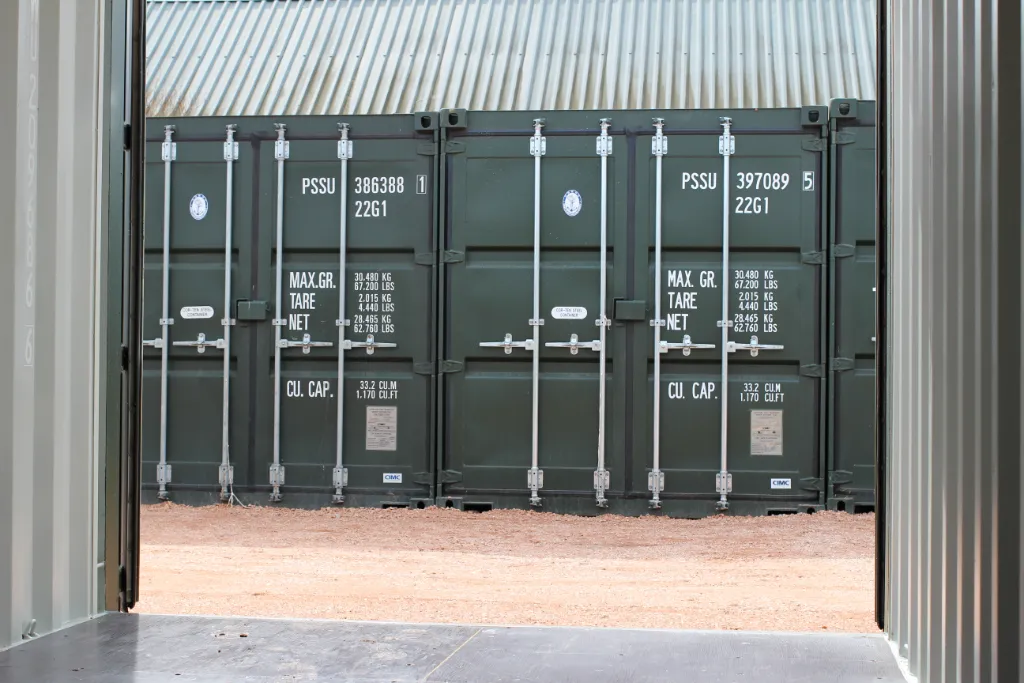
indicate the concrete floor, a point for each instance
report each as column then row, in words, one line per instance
column 148, row 648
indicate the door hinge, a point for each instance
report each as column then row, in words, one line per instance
column 426, row 258
column 813, row 258
column 422, row 478
column 812, row 484
column 841, row 364
column 843, row 250
column 127, row 142
column 816, row 145
column 813, row 370
column 843, row 137
column 454, row 256
column 453, row 147
column 424, row 368
column 449, row 366
column 449, row 477
column 124, row 358
column 427, row 149
column 840, row 477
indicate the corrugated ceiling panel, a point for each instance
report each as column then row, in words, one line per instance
column 287, row 57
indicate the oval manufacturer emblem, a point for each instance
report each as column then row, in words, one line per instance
column 568, row 313
column 572, row 203
column 196, row 312
column 199, row 206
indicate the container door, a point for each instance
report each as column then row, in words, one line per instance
column 752, row 181
column 852, row 365
column 198, row 265
column 347, row 255
column 523, row 354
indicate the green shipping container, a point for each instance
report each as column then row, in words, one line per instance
column 526, row 199
column 852, row 330
column 505, row 340
column 292, row 186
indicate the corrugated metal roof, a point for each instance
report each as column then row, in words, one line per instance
column 283, row 57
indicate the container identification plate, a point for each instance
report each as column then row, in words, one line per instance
column 392, row 477
column 572, row 203
column 196, row 312
column 569, row 313
column 766, row 432
column 782, row 483
column 381, row 428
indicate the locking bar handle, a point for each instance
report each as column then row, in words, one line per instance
column 201, row 343
column 370, row 345
column 574, row 344
column 508, row 344
column 686, row 346
column 305, row 344
column 753, row 346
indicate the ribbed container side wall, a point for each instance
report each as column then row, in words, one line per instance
column 851, row 485
column 775, row 281
column 388, row 339
column 62, row 74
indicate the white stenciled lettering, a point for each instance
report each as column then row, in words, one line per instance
column 700, row 181
column 773, row 393
column 707, row 279
column 755, row 301
column 311, row 279
column 374, row 208
column 375, row 302
column 754, row 392
column 679, row 278
column 318, row 185
column 762, row 181
column 676, row 390
column 319, row 388
column 686, row 300
column 752, row 205
column 377, row 390
column 676, row 321
column 380, row 185
column 304, row 301
column 298, row 322
column 313, row 388
column 703, row 390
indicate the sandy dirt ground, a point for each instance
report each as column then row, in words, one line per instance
column 787, row 573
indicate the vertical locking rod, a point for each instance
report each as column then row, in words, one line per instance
column 659, row 146
column 226, row 470
column 168, row 154
column 535, row 477
column 601, row 477
column 276, row 470
column 726, row 147
column 340, row 477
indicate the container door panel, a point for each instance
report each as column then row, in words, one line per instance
column 489, row 294
column 388, row 285
column 774, row 285
column 197, row 215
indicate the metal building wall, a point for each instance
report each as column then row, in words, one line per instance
column 52, row 54
column 953, row 548
column 284, row 57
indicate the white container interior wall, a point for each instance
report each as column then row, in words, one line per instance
column 51, row 58
column 954, row 550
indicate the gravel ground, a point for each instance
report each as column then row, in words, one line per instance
column 785, row 573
